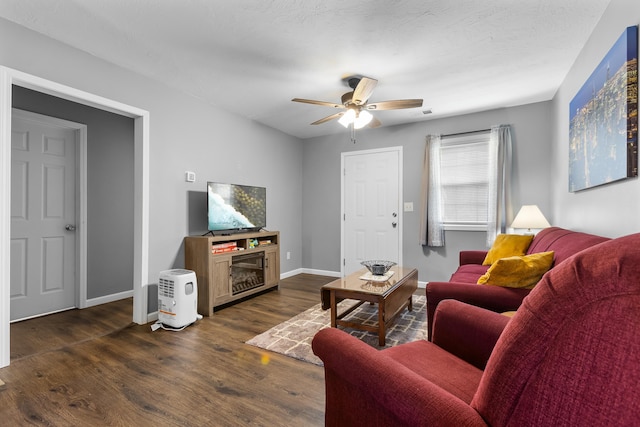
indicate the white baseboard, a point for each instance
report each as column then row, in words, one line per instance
column 321, row 272
column 309, row 271
column 109, row 298
column 290, row 273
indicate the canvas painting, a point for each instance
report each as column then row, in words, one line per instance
column 603, row 129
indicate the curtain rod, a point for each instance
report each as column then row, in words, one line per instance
column 465, row 133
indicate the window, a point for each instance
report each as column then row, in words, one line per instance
column 464, row 181
column 466, row 184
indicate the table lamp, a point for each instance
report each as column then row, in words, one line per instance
column 530, row 217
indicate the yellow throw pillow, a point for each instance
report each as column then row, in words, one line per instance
column 507, row 245
column 518, row 271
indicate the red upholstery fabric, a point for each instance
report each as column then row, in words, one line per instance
column 363, row 385
column 458, row 330
column 468, row 273
column 462, row 284
column 569, row 357
column 445, row 370
column 414, row 384
column 571, row 354
column 472, row 257
column 564, row 243
column 492, row 298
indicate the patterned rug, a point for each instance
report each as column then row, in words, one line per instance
column 293, row 337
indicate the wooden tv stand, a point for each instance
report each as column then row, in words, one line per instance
column 235, row 271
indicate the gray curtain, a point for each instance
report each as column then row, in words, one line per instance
column 500, row 210
column 431, row 228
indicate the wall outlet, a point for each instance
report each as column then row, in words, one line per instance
column 288, row 255
column 190, row 176
column 408, row 206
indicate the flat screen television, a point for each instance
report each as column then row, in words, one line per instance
column 235, row 208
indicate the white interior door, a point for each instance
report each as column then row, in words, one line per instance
column 43, row 216
column 371, row 193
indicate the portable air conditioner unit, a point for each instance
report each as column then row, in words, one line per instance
column 177, row 298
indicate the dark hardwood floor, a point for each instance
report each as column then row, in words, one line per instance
column 95, row 367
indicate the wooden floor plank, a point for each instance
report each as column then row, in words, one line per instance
column 83, row 368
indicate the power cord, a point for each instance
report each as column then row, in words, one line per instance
column 159, row 325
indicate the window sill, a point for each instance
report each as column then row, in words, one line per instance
column 465, row 227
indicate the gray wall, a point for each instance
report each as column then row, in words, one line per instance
column 186, row 134
column 109, row 188
column 613, row 209
column 531, row 132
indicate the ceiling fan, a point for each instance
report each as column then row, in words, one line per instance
column 355, row 106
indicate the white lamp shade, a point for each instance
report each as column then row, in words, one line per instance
column 359, row 118
column 362, row 119
column 347, row 118
column 530, row 217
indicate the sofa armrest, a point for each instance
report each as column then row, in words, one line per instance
column 467, row 331
column 364, row 386
column 472, row 257
column 494, row 298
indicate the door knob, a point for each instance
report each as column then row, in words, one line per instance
column 394, row 224
column 70, row 227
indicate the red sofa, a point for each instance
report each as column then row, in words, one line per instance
column 570, row 356
column 462, row 285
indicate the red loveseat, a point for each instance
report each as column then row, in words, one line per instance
column 462, row 285
column 570, row 356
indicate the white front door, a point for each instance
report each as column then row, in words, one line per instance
column 371, row 191
column 43, row 216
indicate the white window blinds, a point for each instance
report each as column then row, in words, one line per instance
column 464, row 169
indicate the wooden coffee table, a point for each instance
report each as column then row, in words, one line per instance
column 392, row 296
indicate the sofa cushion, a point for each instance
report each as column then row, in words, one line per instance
column 438, row 366
column 564, row 243
column 518, row 271
column 507, row 245
column 468, row 273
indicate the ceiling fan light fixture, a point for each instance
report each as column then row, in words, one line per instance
column 356, row 103
column 347, row 118
column 362, row 119
column 359, row 119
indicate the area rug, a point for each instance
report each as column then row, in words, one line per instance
column 293, row 337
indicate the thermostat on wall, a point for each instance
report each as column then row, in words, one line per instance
column 190, row 176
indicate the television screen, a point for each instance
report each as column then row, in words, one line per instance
column 236, row 207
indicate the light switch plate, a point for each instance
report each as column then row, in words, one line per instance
column 408, row 206
column 190, row 176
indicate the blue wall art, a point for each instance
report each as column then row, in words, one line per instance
column 603, row 127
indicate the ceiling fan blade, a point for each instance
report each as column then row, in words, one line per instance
column 326, row 119
column 395, row 105
column 324, row 103
column 363, row 91
column 374, row 123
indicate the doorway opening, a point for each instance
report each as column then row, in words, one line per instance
column 10, row 77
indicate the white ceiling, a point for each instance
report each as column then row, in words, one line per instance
column 252, row 56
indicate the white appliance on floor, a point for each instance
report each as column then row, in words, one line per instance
column 177, row 298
